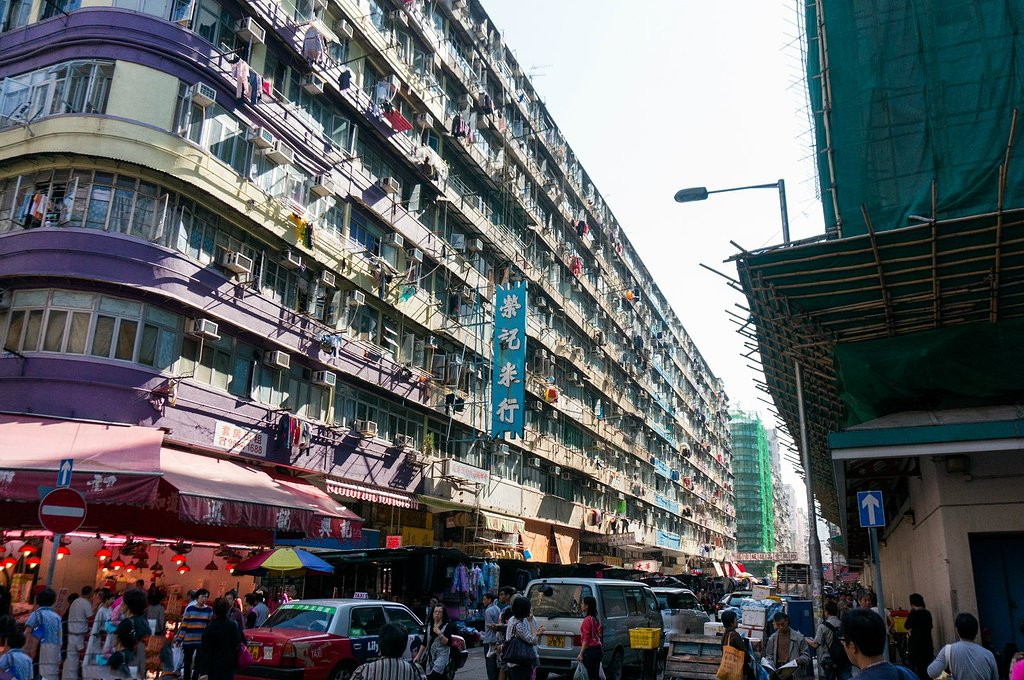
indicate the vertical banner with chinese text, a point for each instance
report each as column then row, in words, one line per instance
column 508, row 393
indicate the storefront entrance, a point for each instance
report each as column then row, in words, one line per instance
column 1000, row 590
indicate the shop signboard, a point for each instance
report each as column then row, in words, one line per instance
column 460, row 470
column 392, row 542
column 667, row 539
column 613, row 540
column 765, row 557
column 508, row 390
column 651, row 566
column 239, row 439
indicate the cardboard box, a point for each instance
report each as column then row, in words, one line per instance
column 761, row 592
column 713, row 628
column 754, row 616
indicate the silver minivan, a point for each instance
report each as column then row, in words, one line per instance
column 557, row 605
column 681, row 612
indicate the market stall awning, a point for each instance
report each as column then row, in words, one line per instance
column 502, row 523
column 218, row 492
column 372, row 494
column 330, row 518
column 117, row 464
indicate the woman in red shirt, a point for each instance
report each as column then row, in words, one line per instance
column 591, row 632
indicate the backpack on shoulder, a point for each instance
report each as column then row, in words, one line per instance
column 834, row 660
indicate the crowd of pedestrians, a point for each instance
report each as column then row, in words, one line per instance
column 105, row 635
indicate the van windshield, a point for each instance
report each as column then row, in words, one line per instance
column 558, row 599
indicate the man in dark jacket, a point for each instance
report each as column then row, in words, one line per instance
column 218, row 650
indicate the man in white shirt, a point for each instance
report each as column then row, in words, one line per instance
column 79, row 614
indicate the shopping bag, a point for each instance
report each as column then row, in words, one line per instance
column 581, row 672
column 731, row 667
column 177, row 658
column 244, row 657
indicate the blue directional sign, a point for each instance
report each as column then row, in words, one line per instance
column 872, row 513
column 64, row 473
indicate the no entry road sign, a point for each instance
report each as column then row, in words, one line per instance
column 62, row 511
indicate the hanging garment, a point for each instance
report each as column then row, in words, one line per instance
column 460, row 580
column 345, row 81
column 256, row 85
column 241, row 73
column 268, row 89
column 313, row 45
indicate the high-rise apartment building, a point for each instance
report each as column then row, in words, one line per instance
column 274, row 231
column 755, row 508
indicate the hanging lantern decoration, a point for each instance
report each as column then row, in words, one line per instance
column 184, row 568
column 212, row 566
column 103, row 554
column 33, row 561
column 28, row 549
column 9, row 562
column 130, row 567
column 179, row 559
column 230, row 566
column 116, row 564
column 157, row 569
column 63, row 551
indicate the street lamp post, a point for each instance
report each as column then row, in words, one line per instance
column 702, row 193
column 814, row 549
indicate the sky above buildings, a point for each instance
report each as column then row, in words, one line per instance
column 658, row 95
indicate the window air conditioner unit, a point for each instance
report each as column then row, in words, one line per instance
column 202, row 328
column 327, row 278
column 540, row 355
column 424, row 120
column 366, row 428
column 459, row 5
column 481, row 32
column 203, row 95
column 5, row 299
column 324, row 185
column 277, row 359
column 416, row 255
column 388, row 184
column 536, row 405
column 501, row 449
column 458, row 241
column 261, row 138
column 313, row 84
column 236, row 263
column 393, row 239
column 622, row 496
column 356, row 298
column 533, row 462
column 398, row 17
column 566, row 475
column 404, row 441
column 474, row 245
column 280, row 153
column 325, row 378
column 343, row 29
column 246, row 28
column 556, row 470
column 291, row 260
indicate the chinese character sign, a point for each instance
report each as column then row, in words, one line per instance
column 508, row 392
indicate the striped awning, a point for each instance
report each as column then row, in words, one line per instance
column 372, row 494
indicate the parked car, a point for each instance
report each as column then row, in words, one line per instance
column 681, row 612
column 558, row 606
column 731, row 601
column 328, row 639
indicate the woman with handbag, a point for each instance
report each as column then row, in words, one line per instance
column 737, row 662
column 591, row 633
column 520, row 640
column 437, row 650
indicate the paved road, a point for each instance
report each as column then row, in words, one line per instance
column 474, row 668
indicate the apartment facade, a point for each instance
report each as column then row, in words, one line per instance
column 274, row 232
column 755, row 506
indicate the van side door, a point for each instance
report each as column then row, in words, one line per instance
column 615, row 618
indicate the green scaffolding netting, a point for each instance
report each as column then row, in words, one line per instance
column 920, row 89
column 966, row 366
